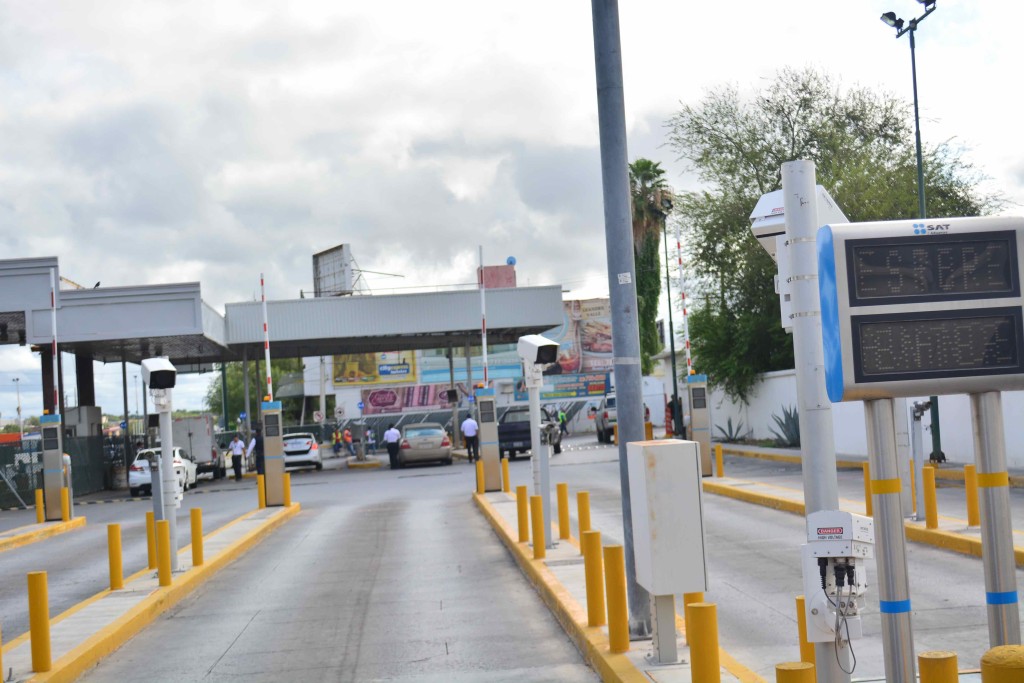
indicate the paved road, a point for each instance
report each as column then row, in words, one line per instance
column 384, row 576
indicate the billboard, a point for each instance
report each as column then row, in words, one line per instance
column 332, row 271
column 388, row 367
column 564, row 387
column 396, row 400
column 584, row 338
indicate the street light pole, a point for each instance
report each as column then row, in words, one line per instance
column 676, row 419
column 890, row 19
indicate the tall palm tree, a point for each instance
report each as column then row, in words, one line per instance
column 647, row 184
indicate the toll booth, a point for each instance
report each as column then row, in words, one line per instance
column 53, row 465
column 273, row 453
column 700, row 418
column 490, row 454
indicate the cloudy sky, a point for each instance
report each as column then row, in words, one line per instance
column 178, row 141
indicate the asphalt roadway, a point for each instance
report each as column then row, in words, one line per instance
column 395, row 575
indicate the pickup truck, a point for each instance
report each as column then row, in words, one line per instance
column 514, row 430
column 605, row 419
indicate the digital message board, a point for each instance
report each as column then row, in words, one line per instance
column 914, row 308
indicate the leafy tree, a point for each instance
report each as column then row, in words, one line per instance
column 291, row 407
column 647, row 185
column 862, row 144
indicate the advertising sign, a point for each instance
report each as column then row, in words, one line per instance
column 394, row 400
column 560, row 387
column 389, row 367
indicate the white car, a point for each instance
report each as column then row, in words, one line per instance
column 302, row 450
column 140, row 473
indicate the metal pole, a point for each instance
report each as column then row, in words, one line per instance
column 483, row 314
column 266, row 342
column 890, row 544
column 245, row 384
column 469, row 375
column 817, row 440
column 456, row 432
column 539, row 461
column 169, row 483
column 621, row 277
column 996, row 529
column 145, row 418
column 223, row 393
column 916, row 411
column 323, row 396
column 676, row 422
column 682, row 305
column 129, row 456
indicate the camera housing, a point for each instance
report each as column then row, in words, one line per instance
column 159, row 373
column 768, row 219
column 535, row 349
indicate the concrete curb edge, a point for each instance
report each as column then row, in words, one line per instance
column 40, row 534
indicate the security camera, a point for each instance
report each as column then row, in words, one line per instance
column 768, row 219
column 537, row 350
column 158, row 373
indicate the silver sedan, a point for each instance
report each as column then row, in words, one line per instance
column 424, row 442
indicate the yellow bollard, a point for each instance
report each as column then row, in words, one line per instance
column 582, row 514
column 40, row 507
column 615, row 590
column 806, row 648
column 506, row 479
column 480, row 477
column 65, row 505
column 196, row 517
column 649, row 431
column 523, row 510
column 114, row 552
column 593, row 571
column 794, row 672
column 163, row 551
column 39, row 621
column 938, row 666
column 1003, row 664
column 563, row 510
column 868, row 507
column 615, row 435
column 151, row 539
column 719, row 461
column 537, row 520
column 971, row 487
column 689, row 599
column 703, row 635
column 931, row 512
column 261, row 492
column 287, row 481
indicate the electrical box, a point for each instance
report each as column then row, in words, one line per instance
column 490, row 454
column 668, row 516
column 700, row 418
column 917, row 308
column 273, row 452
column 53, row 465
column 835, row 573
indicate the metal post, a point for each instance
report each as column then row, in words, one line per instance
column 169, row 488
column 917, row 436
column 676, row 421
column 539, row 461
column 890, row 545
column 621, row 276
column 817, row 440
column 269, row 393
column 483, row 315
column 245, row 383
column 223, row 394
column 145, row 417
column 996, row 529
column 456, row 432
column 128, row 454
column 323, row 396
column 469, row 376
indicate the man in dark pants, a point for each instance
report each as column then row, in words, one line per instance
column 237, row 451
column 392, row 439
column 469, row 435
column 258, row 450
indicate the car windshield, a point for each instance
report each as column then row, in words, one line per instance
column 517, row 416
column 413, row 432
column 610, row 402
column 298, row 436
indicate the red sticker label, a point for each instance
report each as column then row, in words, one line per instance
column 830, row 530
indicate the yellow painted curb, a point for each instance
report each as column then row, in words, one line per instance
column 792, row 459
column 762, row 499
column 589, row 640
column 368, row 465
column 49, row 529
column 109, row 638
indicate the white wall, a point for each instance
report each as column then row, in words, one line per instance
column 778, row 389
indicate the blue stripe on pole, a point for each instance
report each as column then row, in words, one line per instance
column 1004, row 598
column 894, row 606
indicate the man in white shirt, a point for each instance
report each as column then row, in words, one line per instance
column 392, row 437
column 237, row 451
column 469, row 432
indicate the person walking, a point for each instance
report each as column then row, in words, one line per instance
column 371, row 441
column 336, row 441
column 469, row 434
column 563, row 422
column 346, row 436
column 256, row 448
column 237, row 448
column 392, row 437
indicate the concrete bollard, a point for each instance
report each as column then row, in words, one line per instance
column 196, row 517
column 506, row 479
column 938, row 666
column 151, row 539
column 1003, row 664
column 65, row 504
column 719, row 461
column 261, row 492
column 523, row 512
column 582, row 514
column 114, row 553
column 794, row 672
column 39, row 621
column 163, row 551
column 931, row 512
column 537, row 521
column 806, row 648
column 689, row 599
column 287, row 480
column 615, row 592
column 702, row 630
column 563, row 510
column 593, row 572
column 868, row 507
column 971, row 491
column 40, row 507
column 480, row 477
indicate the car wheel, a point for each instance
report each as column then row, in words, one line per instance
column 134, row 492
column 319, row 466
column 600, row 436
column 558, row 448
column 449, row 461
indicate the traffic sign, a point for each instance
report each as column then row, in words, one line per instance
column 242, row 416
column 361, row 405
column 339, row 412
column 318, row 416
column 471, row 398
column 124, row 425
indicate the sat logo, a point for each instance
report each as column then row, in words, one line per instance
column 924, row 228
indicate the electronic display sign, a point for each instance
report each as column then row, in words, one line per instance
column 918, row 308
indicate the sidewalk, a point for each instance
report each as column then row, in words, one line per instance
column 89, row 631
